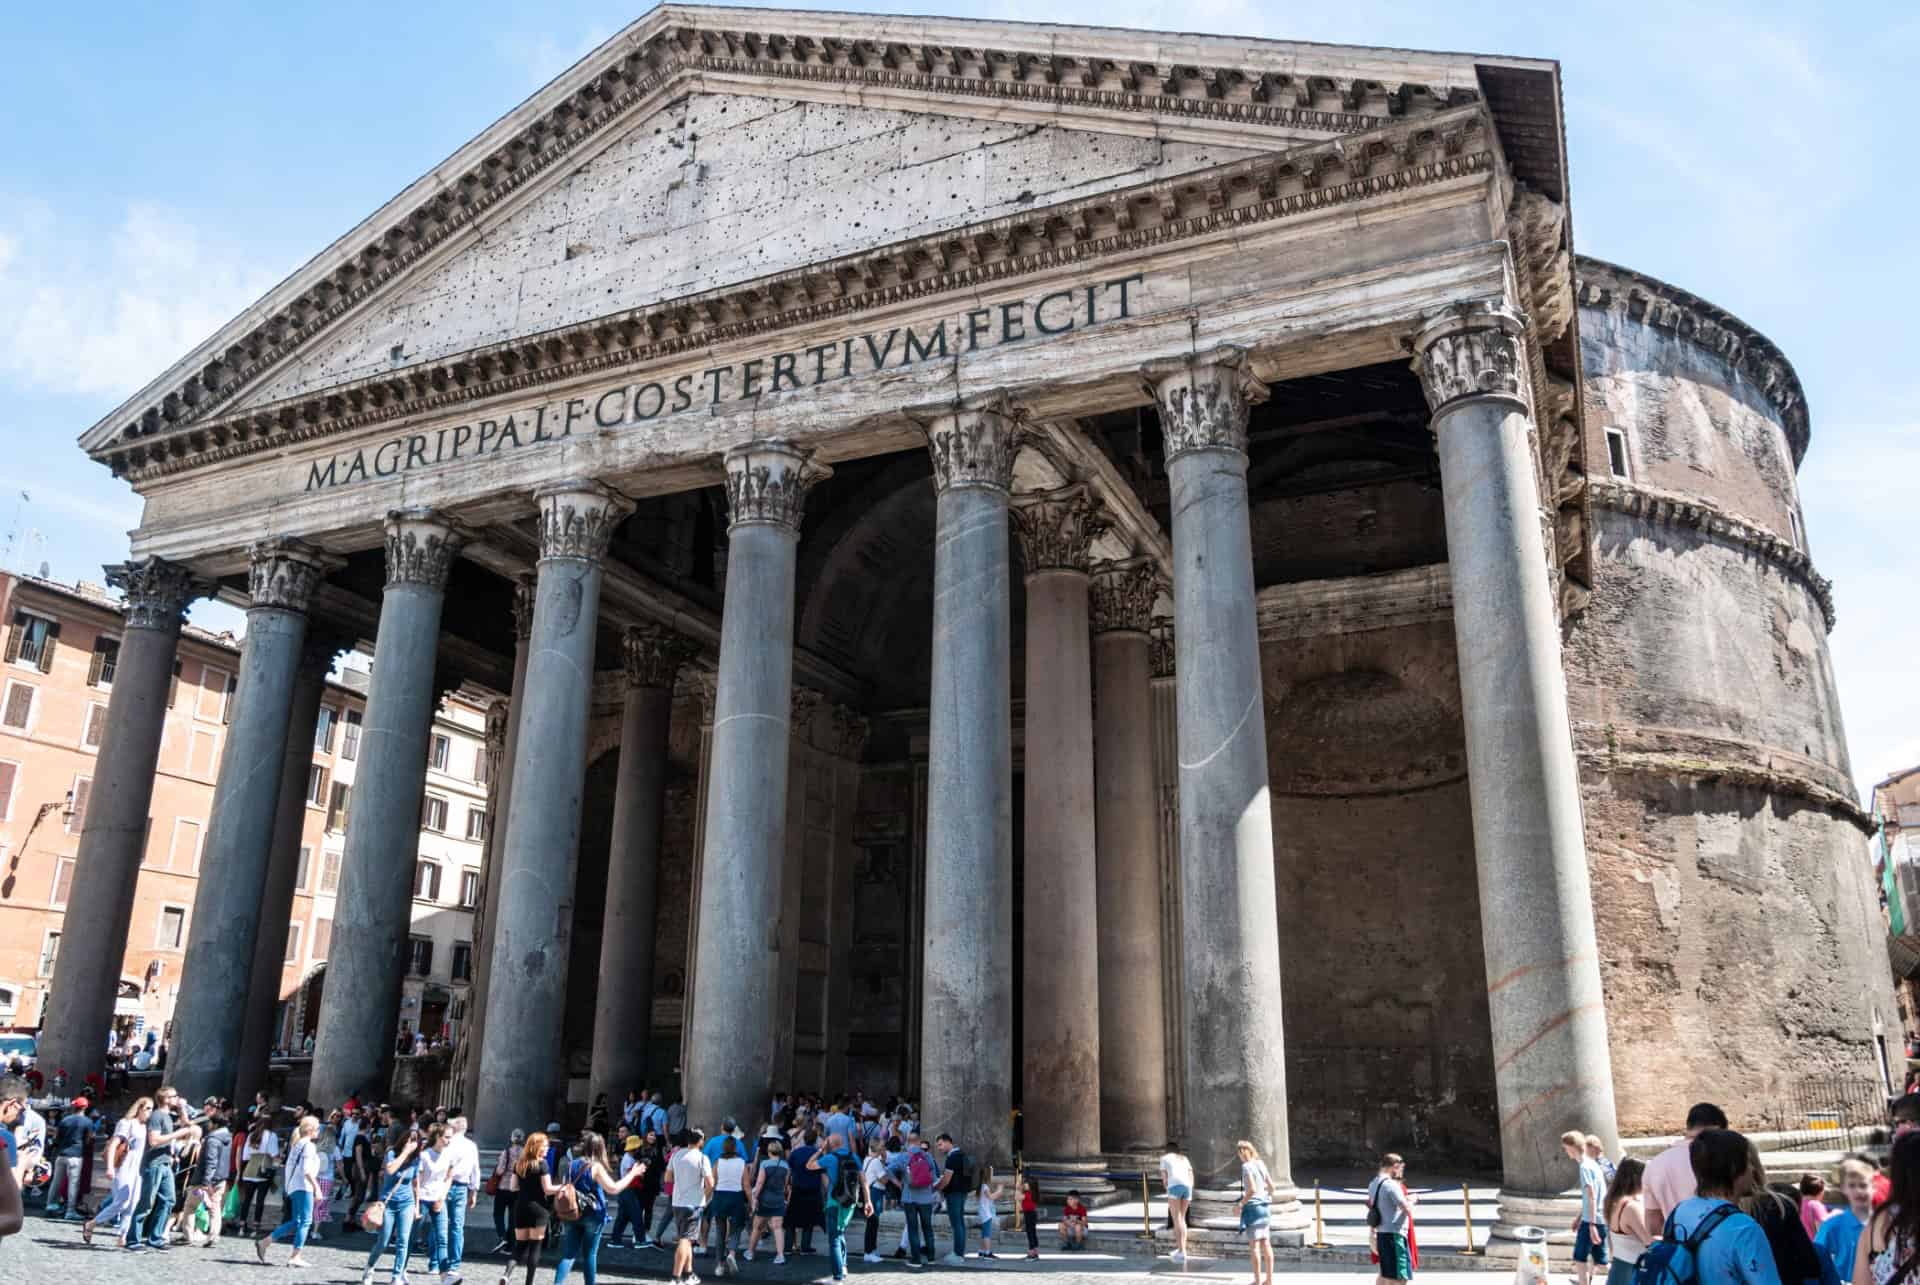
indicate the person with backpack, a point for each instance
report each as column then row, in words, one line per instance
column 911, row 1171
column 953, row 1189
column 1707, row 1240
column 581, row 1206
column 1889, row 1250
column 846, row 1189
column 1778, row 1213
column 1390, row 1216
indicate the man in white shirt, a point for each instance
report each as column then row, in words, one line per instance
column 463, row 1168
column 692, row 1185
column 1669, row 1177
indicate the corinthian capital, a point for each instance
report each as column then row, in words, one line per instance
column 973, row 443
column 523, row 586
column 1120, row 595
column 1057, row 528
column 654, row 654
column 284, row 574
column 767, row 483
column 577, row 519
column 1203, row 400
column 158, row 592
column 1471, row 350
column 421, row 547
column 1160, row 647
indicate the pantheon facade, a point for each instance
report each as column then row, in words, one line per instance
column 1129, row 577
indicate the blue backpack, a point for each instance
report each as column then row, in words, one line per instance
column 1677, row 1262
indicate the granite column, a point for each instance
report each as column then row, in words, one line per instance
column 113, row 837
column 1133, row 1038
column 1235, row 1060
column 966, row 1060
column 283, row 869
column 522, row 1071
column 366, row 964
column 208, row 1016
column 1060, row 1057
column 731, row 1026
column 1552, row 1071
column 623, row 1006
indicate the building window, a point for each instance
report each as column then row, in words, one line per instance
column 316, row 785
column 462, row 961
column 1799, row 531
column 293, row 943
column 322, row 939
column 482, row 767
column 9, row 773
column 49, row 953
column 17, row 711
column 31, row 641
column 62, row 880
column 337, row 806
column 173, row 685
column 350, row 736
column 300, row 871
column 433, row 814
column 469, row 888
column 323, row 730
column 172, row 933
column 441, row 754
column 426, row 880
column 329, row 872
column 96, row 727
column 1617, row 452
column 185, row 853
column 476, row 823
column 106, row 658
column 226, row 698
column 82, row 791
column 212, row 693
column 419, row 956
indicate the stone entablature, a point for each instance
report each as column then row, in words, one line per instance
column 1355, row 604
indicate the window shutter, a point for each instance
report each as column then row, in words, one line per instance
column 96, row 722
column 226, row 702
column 14, row 635
column 173, row 684
column 98, row 663
column 47, row 648
column 7, row 774
column 19, row 708
column 82, row 789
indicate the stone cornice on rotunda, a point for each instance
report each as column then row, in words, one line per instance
column 1345, row 124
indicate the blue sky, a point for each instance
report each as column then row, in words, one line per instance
column 165, row 165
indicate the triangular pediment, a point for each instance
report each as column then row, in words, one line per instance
column 706, row 147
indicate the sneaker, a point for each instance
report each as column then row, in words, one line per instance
column 297, row 1261
column 1178, row 1256
column 779, row 1260
column 733, row 1264
column 450, row 1278
column 260, row 1248
column 869, row 1258
column 749, row 1255
column 139, row 1247
column 648, row 1244
column 899, row 1253
column 366, row 1277
column 689, row 1279
column 953, row 1260
column 499, row 1248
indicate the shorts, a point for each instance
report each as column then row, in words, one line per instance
column 1396, row 1261
column 1590, row 1244
column 731, row 1205
column 530, row 1216
column 770, row 1207
column 685, row 1220
column 1180, row 1191
column 986, row 1227
column 1254, row 1219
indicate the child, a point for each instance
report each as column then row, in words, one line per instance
column 1813, row 1203
column 1596, row 1152
column 1839, row 1235
column 1589, row 1233
column 1073, row 1223
column 1030, row 1216
column 987, row 1208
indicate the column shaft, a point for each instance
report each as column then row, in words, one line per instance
column 86, row 976
column 1235, row 1047
column 360, row 1004
column 204, row 1057
column 966, row 1060
column 1133, row 1044
column 1552, row 1070
column 623, row 1007
column 731, row 1032
column 522, row 1066
column 283, row 867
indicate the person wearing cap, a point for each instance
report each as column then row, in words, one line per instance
column 72, row 1139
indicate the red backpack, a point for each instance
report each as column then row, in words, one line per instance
column 920, row 1173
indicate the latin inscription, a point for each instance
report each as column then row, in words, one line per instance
column 629, row 405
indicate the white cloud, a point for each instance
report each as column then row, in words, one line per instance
column 100, row 317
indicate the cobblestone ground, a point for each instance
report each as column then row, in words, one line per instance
column 50, row 1253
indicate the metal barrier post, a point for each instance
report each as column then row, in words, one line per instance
column 1019, row 1192
column 1146, row 1211
column 1319, row 1222
column 1466, row 1205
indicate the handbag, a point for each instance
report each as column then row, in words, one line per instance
column 566, row 1201
column 373, row 1216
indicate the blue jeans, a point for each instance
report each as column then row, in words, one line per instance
column 957, row 1220
column 919, row 1229
column 156, row 1204
column 837, row 1218
column 457, row 1197
column 580, row 1239
column 435, row 1217
column 396, row 1228
column 629, row 1213
column 299, row 1219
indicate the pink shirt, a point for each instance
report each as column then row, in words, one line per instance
column 1813, row 1212
column 1669, row 1178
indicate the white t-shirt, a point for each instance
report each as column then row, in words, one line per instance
column 729, row 1174
column 875, row 1172
column 463, row 1161
column 1254, row 1174
column 1176, row 1171
column 436, row 1175
column 690, row 1173
column 303, row 1165
column 984, row 1205
column 134, row 1134
column 269, row 1145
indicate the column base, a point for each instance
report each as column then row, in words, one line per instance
column 1522, row 1214
column 1058, row 1177
column 1216, row 1210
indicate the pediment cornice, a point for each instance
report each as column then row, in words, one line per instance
column 1297, row 184
column 1319, row 90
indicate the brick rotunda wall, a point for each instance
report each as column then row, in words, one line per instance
column 1740, row 945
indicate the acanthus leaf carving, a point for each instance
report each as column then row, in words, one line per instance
column 421, row 547
column 653, row 655
column 1057, row 528
column 284, row 573
column 768, row 482
column 1204, row 400
column 158, row 592
column 1471, row 350
column 578, row 519
column 1121, row 595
